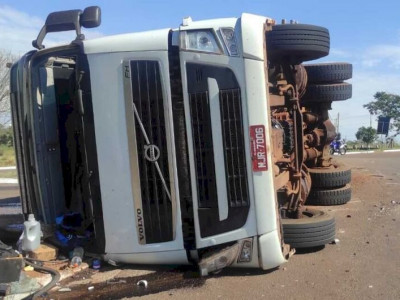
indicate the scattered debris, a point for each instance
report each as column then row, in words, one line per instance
column 44, row 252
column 31, row 235
column 111, row 281
column 77, row 256
column 96, row 264
column 370, row 286
column 64, row 289
column 142, row 283
column 28, row 269
column 90, row 288
column 75, row 262
column 335, row 241
column 112, row 262
column 348, row 216
column 393, row 202
column 26, row 284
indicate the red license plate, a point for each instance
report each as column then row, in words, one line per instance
column 258, row 148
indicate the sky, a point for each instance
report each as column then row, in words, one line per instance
column 363, row 33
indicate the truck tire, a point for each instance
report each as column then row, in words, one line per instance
column 315, row 228
column 337, row 176
column 328, row 72
column 327, row 92
column 326, row 197
column 295, row 43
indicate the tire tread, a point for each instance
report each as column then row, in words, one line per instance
column 327, row 92
column 328, row 72
column 330, row 178
column 308, row 232
column 330, row 197
column 295, row 43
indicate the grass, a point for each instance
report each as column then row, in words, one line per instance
column 7, row 156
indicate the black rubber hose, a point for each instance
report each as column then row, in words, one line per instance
column 55, row 278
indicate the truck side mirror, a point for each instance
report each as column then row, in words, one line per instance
column 69, row 20
column 91, row 17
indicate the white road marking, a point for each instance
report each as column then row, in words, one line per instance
column 8, row 180
column 8, row 168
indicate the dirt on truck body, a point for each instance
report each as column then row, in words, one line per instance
column 197, row 145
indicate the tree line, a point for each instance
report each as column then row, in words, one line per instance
column 384, row 104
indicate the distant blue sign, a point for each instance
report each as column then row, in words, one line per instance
column 383, row 125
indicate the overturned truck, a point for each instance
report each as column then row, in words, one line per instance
column 176, row 146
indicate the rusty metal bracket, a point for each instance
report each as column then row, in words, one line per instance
column 281, row 180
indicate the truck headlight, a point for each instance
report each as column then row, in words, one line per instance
column 219, row 260
column 199, row 40
column 228, row 35
column 246, row 251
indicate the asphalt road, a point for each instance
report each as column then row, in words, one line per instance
column 365, row 264
column 379, row 163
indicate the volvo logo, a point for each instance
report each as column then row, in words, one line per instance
column 151, row 152
column 140, row 225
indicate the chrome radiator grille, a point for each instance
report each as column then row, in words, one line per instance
column 151, row 142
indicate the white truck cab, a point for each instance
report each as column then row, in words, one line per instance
column 175, row 146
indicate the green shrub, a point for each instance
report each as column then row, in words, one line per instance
column 6, row 136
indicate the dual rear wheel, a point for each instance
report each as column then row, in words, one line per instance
column 330, row 186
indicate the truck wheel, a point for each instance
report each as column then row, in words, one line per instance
column 327, row 92
column 315, row 228
column 295, row 43
column 328, row 72
column 329, row 197
column 337, row 176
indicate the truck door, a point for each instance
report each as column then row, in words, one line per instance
column 20, row 121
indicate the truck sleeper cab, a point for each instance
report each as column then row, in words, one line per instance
column 162, row 141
